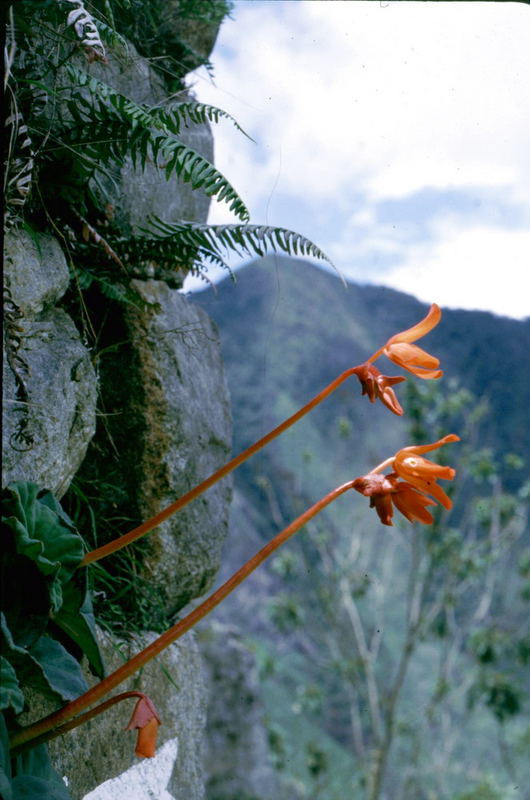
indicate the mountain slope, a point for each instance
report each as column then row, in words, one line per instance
column 288, row 328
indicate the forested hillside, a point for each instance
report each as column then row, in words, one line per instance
column 394, row 660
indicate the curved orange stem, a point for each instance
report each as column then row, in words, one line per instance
column 74, row 723
column 148, row 525
column 53, row 721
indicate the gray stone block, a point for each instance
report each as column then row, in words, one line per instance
column 57, row 405
column 184, row 406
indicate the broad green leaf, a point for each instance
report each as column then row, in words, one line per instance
column 6, row 793
column 46, row 666
column 25, row 787
column 44, row 534
column 10, row 693
column 76, row 618
column 5, row 762
column 61, row 670
column 26, row 612
column 28, row 671
column 35, row 778
column 28, row 788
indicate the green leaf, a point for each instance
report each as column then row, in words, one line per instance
column 47, row 666
column 35, row 778
column 5, row 786
column 62, row 672
column 110, row 127
column 177, row 243
column 44, row 534
column 76, row 618
column 10, row 693
column 25, row 787
column 5, row 762
column 26, row 612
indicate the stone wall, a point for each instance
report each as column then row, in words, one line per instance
column 172, row 416
column 150, row 395
column 49, row 381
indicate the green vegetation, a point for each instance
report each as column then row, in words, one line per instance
column 405, row 648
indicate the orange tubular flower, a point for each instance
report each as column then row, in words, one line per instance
column 421, row 473
column 411, row 357
column 146, row 720
column 410, row 496
column 378, row 386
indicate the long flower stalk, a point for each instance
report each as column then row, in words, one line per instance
column 226, row 469
column 377, row 386
column 54, row 724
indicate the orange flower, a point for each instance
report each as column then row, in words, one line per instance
column 146, row 720
column 409, row 356
column 423, row 474
column 376, row 385
column 386, row 490
column 409, row 496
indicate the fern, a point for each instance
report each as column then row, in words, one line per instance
column 189, row 245
column 18, row 171
column 90, row 131
column 109, row 127
column 175, row 115
column 110, row 287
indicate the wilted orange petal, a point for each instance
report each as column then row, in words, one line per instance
column 388, row 397
column 412, row 504
column 428, row 487
column 420, row 329
column 146, row 739
column 144, row 718
column 372, row 484
column 144, row 712
column 383, row 505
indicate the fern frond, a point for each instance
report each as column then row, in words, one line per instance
column 18, row 172
column 109, row 127
column 241, row 239
column 109, row 287
column 191, row 246
column 174, row 116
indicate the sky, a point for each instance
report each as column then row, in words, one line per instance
column 395, row 135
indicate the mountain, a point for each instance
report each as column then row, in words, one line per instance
column 288, row 328
column 328, row 652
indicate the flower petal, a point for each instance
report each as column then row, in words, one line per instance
column 414, row 359
column 144, row 711
column 429, row 486
column 412, row 465
column 376, row 385
column 146, row 720
column 411, row 354
column 146, row 739
column 412, row 504
column 420, row 329
column 419, row 449
column 383, row 505
column 373, row 484
column 389, row 399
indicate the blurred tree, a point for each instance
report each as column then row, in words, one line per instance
column 413, row 629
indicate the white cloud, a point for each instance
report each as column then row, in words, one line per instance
column 473, row 268
column 353, row 103
column 394, row 97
